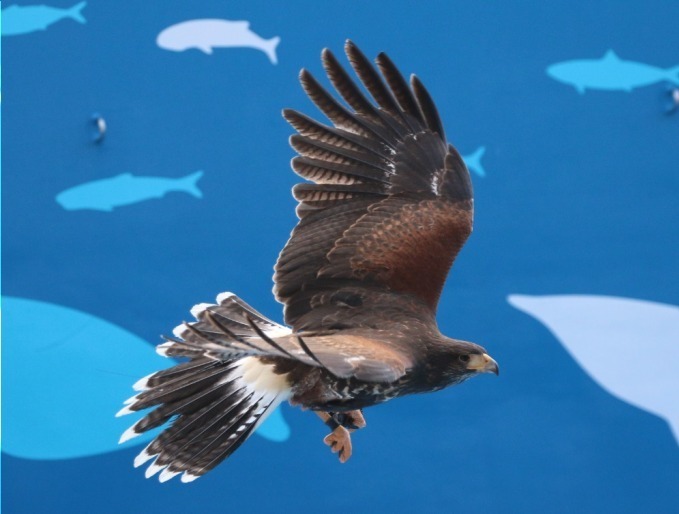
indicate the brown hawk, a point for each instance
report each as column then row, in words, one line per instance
column 388, row 207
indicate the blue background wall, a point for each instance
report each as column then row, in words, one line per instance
column 580, row 196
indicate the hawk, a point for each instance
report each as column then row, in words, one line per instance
column 387, row 208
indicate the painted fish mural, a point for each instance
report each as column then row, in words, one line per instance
column 608, row 336
column 125, row 189
column 610, row 73
column 66, row 372
column 208, row 34
column 24, row 19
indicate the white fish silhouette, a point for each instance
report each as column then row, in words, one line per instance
column 212, row 33
column 629, row 347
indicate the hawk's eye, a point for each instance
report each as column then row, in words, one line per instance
column 464, row 358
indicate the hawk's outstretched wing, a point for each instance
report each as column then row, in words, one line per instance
column 391, row 203
column 232, row 329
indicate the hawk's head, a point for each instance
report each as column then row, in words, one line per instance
column 468, row 359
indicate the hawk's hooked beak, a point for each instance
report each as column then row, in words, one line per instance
column 483, row 364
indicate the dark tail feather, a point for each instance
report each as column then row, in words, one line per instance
column 231, row 424
column 216, row 407
column 213, row 404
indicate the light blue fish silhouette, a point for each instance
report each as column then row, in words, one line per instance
column 610, row 336
column 65, row 374
column 214, row 33
column 125, row 189
column 274, row 427
column 610, row 73
column 25, row 19
column 473, row 161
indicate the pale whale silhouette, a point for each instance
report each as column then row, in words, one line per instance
column 208, row 34
column 473, row 161
column 629, row 347
column 610, row 73
column 125, row 189
column 65, row 373
column 17, row 19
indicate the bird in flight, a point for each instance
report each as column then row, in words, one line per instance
column 387, row 208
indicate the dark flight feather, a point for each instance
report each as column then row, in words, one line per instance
column 345, row 86
column 339, row 138
column 335, row 112
column 427, row 107
column 390, row 203
column 370, row 78
column 398, row 86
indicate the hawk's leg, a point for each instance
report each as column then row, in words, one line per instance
column 341, row 424
column 352, row 420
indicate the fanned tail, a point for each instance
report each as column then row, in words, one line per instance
column 213, row 402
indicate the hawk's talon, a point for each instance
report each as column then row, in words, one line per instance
column 339, row 441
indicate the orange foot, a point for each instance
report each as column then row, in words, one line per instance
column 339, row 440
column 355, row 417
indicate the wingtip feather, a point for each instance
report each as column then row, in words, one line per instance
column 226, row 295
column 199, row 308
column 141, row 385
column 130, row 433
column 162, row 349
column 188, row 477
column 167, row 475
column 143, row 457
column 124, row 411
column 153, row 469
column 179, row 330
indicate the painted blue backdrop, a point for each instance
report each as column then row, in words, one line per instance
column 146, row 169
